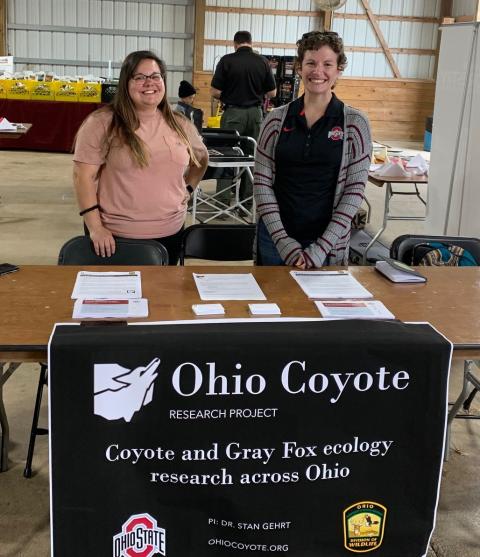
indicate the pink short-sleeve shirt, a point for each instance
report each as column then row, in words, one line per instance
column 139, row 202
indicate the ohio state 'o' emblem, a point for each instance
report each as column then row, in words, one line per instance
column 336, row 133
column 140, row 537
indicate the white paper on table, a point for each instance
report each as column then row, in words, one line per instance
column 6, row 126
column 392, row 169
column 418, row 163
column 110, row 308
column 264, row 309
column 330, row 285
column 111, row 285
column 208, row 309
column 228, row 287
column 354, row 309
column 375, row 166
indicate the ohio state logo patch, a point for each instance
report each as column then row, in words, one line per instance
column 335, row 134
column 140, row 537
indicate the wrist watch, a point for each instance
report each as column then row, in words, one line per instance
column 189, row 189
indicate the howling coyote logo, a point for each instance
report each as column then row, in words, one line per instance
column 120, row 392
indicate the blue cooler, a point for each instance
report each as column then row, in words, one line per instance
column 427, row 138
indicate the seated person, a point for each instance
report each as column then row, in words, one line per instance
column 186, row 94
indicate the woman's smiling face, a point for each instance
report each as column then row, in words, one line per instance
column 319, row 70
column 146, row 93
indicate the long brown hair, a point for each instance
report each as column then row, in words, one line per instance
column 125, row 120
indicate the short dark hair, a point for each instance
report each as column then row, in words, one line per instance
column 314, row 40
column 241, row 37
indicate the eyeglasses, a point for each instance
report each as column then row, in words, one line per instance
column 141, row 77
column 313, row 33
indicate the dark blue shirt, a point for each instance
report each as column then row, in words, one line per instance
column 307, row 162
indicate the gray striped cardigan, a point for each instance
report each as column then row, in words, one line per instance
column 352, row 178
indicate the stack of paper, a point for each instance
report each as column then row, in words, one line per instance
column 6, row 126
column 208, row 309
column 83, row 309
column 330, row 285
column 264, row 309
column 393, row 169
column 354, row 309
column 228, row 287
column 109, row 294
column 418, row 165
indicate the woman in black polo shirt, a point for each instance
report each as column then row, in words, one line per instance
column 311, row 165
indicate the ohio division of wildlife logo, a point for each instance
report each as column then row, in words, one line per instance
column 363, row 526
column 140, row 537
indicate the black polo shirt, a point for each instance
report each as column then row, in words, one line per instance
column 307, row 163
column 243, row 77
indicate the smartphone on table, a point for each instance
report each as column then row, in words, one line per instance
column 7, row 268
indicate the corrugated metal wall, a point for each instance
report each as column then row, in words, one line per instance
column 464, row 7
column 398, row 34
column 357, row 32
column 79, row 37
column 265, row 28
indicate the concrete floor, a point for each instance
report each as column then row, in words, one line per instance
column 37, row 215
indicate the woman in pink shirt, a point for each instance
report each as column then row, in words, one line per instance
column 136, row 162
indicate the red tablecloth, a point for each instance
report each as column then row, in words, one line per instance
column 54, row 123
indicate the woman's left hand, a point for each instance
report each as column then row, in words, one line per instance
column 300, row 262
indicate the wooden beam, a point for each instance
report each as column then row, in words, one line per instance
column 446, row 13
column 3, row 27
column 420, row 51
column 256, row 44
column 299, row 13
column 261, row 11
column 446, row 9
column 410, row 19
column 199, row 35
column 327, row 20
column 381, row 38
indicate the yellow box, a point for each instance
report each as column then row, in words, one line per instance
column 19, row 89
column 42, row 91
column 213, row 121
column 65, row 91
column 89, row 92
column 3, row 90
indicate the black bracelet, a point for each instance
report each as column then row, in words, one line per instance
column 89, row 209
column 189, row 189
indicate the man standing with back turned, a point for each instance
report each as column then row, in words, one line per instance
column 241, row 81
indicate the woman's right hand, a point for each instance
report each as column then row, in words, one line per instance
column 103, row 241
column 300, row 262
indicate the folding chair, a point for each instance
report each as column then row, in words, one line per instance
column 79, row 251
column 218, row 242
column 403, row 249
column 225, row 152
